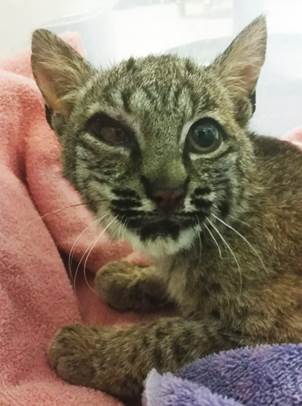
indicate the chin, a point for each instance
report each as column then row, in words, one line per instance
column 163, row 245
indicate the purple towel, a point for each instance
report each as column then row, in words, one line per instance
column 260, row 376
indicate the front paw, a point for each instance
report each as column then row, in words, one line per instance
column 114, row 282
column 71, row 355
column 95, row 357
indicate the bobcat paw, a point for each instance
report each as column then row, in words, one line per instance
column 114, row 283
column 71, row 354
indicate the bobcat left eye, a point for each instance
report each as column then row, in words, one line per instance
column 109, row 130
column 204, row 136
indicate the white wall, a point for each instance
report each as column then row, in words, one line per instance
column 138, row 30
column 18, row 18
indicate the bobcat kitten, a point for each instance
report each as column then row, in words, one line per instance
column 161, row 146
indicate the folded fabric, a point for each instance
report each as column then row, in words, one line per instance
column 267, row 375
column 42, row 220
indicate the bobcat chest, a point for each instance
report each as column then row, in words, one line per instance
column 183, row 290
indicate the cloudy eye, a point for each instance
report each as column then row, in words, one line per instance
column 204, row 136
column 109, row 130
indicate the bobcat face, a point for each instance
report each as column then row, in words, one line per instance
column 157, row 146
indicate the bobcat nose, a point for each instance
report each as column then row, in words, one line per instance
column 168, row 199
column 165, row 196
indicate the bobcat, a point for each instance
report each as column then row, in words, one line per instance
column 162, row 146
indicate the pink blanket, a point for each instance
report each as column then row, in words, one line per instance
column 38, row 229
column 37, row 232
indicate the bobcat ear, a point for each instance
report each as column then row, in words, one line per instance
column 240, row 64
column 58, row 70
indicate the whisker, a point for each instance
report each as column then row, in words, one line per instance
column 243, row 238
column 123, row 221
column 229, row 249
column 121, row 231
column 79, row 263
column 240, row 221
column 200, row 243
column 81, row 259
column 53, row 212
column 89, row 252
column 88, row 249
column 71, row 251
column 214, row 239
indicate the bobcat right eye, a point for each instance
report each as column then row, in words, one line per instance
column 204, row 136
column 109, row 130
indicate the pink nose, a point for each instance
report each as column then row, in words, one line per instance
column 168, row 199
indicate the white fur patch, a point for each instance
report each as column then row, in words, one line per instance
column 163, row 246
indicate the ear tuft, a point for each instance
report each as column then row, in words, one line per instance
column 58, row 70
column 240, row 64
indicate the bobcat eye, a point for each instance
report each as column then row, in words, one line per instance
column 109, row 130
column 204, row 136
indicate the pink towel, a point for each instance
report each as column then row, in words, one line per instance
column 36, row 296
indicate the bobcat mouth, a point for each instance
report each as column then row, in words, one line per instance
column 156, row 233
column 162, row 237
column 153, row 227
column 149, row 226
column 161, row 228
